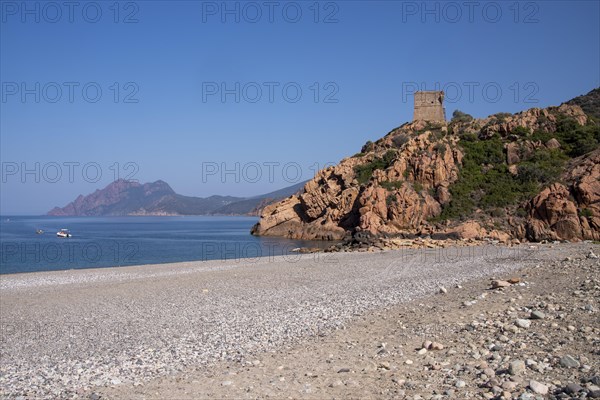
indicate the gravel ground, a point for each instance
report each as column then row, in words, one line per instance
column 66, row 334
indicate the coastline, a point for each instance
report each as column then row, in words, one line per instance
column 129, row 325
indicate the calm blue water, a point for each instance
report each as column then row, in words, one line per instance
column 119, row 241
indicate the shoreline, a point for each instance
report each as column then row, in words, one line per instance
column 64, row 333
column 296, row 255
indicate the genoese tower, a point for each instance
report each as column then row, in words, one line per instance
column 429, row 106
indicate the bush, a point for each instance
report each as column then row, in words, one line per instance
column 544, row 166
column 369, row 146
column 391, row 199
column 586, row 212
column 468, row 137
column 399, row 140
column 418, row 187
column 501, row 117
column 577, row 140
column 497, row 213
column 459, row 116
column 391, row 185
column 440, row 148
column 521, row 131
column 484, row 181
column 365, row 172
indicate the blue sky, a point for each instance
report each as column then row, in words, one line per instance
column 161, row 75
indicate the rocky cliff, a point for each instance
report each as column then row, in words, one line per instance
column 531, row 175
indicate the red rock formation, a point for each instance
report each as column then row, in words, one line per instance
column 402, row 195
column 557, row 212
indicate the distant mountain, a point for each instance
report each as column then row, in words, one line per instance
column 158, row 198
column 254, row 205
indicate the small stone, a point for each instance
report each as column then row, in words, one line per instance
column 523, row 323
column 460, row 384
column 384, row 365
column 426, row 344
column 336, row 383
column 592, row 255
column 226, row 383
column 537, row 315
column 489, row 372
column 538, row 388
column 342, row 370
column 569, row 362
column 443, row 290
column 573, row 388
column 497, row 284
column 422, row 351
column 437, row 346
column 516, row 367
column 408, row 362
column 509, row 385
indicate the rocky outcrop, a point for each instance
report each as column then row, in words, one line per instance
column 397, row 185
column 534, row 119
column 398, row 197
column 569, row 211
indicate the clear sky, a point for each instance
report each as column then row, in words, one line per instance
column 190, row 88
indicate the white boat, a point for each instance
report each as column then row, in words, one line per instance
column 64, row 233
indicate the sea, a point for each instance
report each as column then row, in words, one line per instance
column 98, row 242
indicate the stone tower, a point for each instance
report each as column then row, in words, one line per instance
column 429, row 106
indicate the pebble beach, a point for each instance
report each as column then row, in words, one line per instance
column 77, row 333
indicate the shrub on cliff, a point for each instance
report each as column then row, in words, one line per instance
column 364, row 172
column 459, row 116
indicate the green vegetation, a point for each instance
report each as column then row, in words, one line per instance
column 434, row 127
column 521, row 131
column 391, row 185
column 468, row 137
column 485, row 181
column 418, row 187
column 586, row 212
column 575, row 140
column 459, row 116
column 440, row 148
column 543, row 167
column 365, row 172
column 369, row 146
column 358, row 155
column 391, row 199
column 501, row 117
column 399, row 140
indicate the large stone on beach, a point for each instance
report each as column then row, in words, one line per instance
column 569, row 362
column 516, row 367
